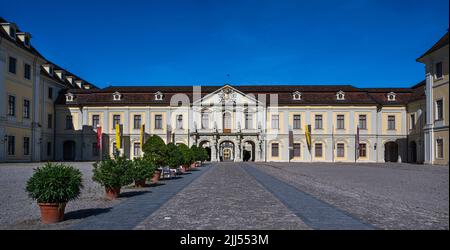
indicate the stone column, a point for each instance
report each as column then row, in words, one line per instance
column 428, row 130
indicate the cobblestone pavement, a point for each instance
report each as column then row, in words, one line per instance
column 134, row 210
column 315, row 213
column 225, row 197
column 18, row 211
column 388, row 196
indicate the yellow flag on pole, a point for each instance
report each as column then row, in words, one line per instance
column 308, row 135
column 142, row 135
column 118, row 137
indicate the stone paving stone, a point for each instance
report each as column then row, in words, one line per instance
column 315, row 213
column 385, row 195
column 225, row 197
column 134, row 210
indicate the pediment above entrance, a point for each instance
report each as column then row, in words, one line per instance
column 228, row 96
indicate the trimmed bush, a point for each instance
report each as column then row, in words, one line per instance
column 174, row 156
column 186, row 152
column 112, row 173
column 155, row 150
column 55, row 183
column 141, row 169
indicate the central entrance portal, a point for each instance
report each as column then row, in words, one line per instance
column 227, row 151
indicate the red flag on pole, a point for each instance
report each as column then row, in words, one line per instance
column 99, row 137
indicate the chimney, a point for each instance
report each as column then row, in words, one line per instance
column 25, row 37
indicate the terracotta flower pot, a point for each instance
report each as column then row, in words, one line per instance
column 139, row 183
column 156, row 176
column 112, row 192
column 52, row 212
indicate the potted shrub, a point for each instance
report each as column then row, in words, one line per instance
column 112, row 174
column 174, row 156
column 187, row 156
column 140, row 170
column 52, row 186
column 203, row 155
column 195, row 156
column 155, row 151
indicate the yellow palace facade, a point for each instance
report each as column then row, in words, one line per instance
column 48, row 113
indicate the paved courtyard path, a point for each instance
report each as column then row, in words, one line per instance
column 225, row 197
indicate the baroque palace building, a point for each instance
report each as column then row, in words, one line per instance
column 48, row 113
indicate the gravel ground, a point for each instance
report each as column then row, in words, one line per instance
column 20, row 212
column 225, row 197
column 388, row 196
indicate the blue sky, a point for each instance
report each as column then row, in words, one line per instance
column 366, row 43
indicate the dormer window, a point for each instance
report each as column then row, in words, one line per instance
column 49, row 69
column 12, row 32
column 297, row 96
column 60, row 74
column 25, row 38
column 340, row 95
column 391, row 96
column 79, row 83
column 158, row 96
column 117, row 96
column 69, row 97
column 11, row 29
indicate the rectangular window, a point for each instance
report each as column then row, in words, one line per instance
column 50, row 93
column 49, row 121
column 26, row 109
column 275, row 149
column 12, row 65
column 439, row 70
column 11, row 105
column 318, row 149
column 27, row 71
column 318, row 122
column 116, row 120
column 340, row 122
column 205, row 120
column 412, row 121
column 26, row 146
column 362, row 150
column 95, row 149
column 49, row 148
column 180, row 122
column 248, row 121
column 440, row 148
column 439, row 110
column 362, row 122
column 137, row 122
column 297, row 122
column 69, row 122
column 275, row 121
column 297, row 150
column 340, row 150
column 11, row 145
column 158, row 121
column 95, row 121
column 137, row 149
column 391, row 122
